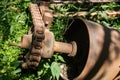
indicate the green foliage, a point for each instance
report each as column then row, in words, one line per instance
column 55, row 69
column 15, row 21
column 58, row 27
column 112, row 22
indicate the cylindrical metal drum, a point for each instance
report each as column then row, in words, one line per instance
column 98, row 51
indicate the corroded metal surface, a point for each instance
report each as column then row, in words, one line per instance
column 46, row 13
column 95, row 50
column 98, row 52
column 62, row 47
column 33, row 58
column 41, row 42
column 68, row 48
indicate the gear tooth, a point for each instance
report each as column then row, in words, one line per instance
column 37, row 45
column 33, row 64
column 40, row 30
column 38, row 37
column 34, row 58
column 24, row 65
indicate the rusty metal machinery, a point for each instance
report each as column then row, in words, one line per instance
column 94, row 50
column 98, row 50
column 41, row 42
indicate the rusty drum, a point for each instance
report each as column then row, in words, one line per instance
column 98, row 51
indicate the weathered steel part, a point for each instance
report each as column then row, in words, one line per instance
column 23, row 43
column 33, row 58
column 48, row 18
column 69, row 48
column 98, row 50
column 80, row 1
column 37, row 17
column 64, row 47
column 32, row 63
column 117, row 77
column 15, row 44
column 49, row 46
column 46, row 13
column 110, row 14
column 43, row 6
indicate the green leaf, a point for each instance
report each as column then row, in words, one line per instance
column 61, row 58
column 16, row 71
column 27, row 0
column 46, row 65
column 105, row 7
column 55, row 70
column 103, row 15
column 105, row 23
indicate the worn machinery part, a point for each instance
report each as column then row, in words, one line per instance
column 50, row 46
column 33, row 57
column 79, row 1
column 110, row 14
column 68, row 48
column 41, row 43
column 43, row 6
column 46, row 13
column 47, row 45
column 23, row 43
column 48, row 18
column 98, row 50
column 118, row 76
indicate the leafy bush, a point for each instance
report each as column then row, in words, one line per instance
column 15, row 20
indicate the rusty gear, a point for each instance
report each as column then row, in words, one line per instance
column 34, row 57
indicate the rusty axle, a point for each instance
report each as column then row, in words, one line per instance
column 67, row 48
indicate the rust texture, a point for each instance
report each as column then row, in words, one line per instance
column 62, row 47
column 41, row 43
column 94, row 50
column 98, row 50
column 33, row 59
column 68, row 48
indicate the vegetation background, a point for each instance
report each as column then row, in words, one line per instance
column 15, row 20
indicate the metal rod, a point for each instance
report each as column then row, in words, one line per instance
column 81, row 1
column 68, row 48
column 14, row 44
column 110, row 14
column 62, row 47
